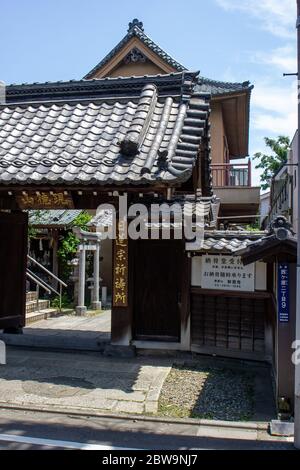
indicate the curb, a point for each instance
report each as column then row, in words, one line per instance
column 251, row 426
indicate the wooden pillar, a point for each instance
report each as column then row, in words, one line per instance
column 54, row 257
column 121, row 322
column 185, row 333
column 13, row 256
column 285, row 339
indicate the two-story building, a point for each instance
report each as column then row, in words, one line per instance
column 142, row 124
column 283, row 193
column 138, row 55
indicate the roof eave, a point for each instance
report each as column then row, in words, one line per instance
column 239, row 146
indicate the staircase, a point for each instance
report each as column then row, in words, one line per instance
column 37, row 310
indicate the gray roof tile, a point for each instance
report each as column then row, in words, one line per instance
column 229, row 241
column 215, row 88
column 76, row 132
column 50, row 218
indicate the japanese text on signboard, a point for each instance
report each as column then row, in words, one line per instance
column 120, row 296
column 45, row 200
column 227, row 273
column 283, row 293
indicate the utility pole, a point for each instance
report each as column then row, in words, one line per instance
column 297, row 366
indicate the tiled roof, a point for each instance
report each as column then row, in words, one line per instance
column 57, row 218
column 136, row 30
column 138, row 130
column 279, row 240
column 168, row 211
column 187, row 205
column 216, row 88
column 229, row 241
column 103, row 218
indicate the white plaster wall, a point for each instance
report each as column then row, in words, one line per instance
column 265, row 204
column 196, row 271
column 260, row 276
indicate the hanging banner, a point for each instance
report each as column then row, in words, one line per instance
column 283, row 293
column 227, row 273
column 120, row 270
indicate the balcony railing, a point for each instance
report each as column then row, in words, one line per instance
column 231, row 175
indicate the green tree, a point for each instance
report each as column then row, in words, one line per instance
column 270, row 164
column 69, row 244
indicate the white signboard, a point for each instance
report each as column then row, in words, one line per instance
column 227, row 273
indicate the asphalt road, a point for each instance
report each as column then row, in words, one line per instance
column 67, row 432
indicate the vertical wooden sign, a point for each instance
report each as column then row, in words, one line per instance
column 120, row 267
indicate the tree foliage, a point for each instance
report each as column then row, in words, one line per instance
column 270, row 164
column 69, row 243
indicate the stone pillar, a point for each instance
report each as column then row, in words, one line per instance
column 81, row 308
column 54, row 258
column 96, row 304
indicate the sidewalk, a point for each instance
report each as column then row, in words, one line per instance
column 88, row 383
column 69, row 332
column 90, row 386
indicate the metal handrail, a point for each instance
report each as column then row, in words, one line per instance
column 47, row 271
column 61, row 283
column 42, row 282
column 39, row 283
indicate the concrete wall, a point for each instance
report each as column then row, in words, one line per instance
column 238, row 195
column 293, row 171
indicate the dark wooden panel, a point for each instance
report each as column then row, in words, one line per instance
column 228, row 322
column 157, row 289
column 13, row 252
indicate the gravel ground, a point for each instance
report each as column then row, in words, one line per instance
column 210, row 393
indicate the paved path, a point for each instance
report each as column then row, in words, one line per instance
column 65, row 332
column 86, row 382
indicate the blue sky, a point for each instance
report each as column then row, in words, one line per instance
column 227, row 40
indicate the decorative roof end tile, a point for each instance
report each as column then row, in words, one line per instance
column 135, row 23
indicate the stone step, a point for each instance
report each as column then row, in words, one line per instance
column 30, row 296
column 58, row 340
column 41, row 315
column 32, row 306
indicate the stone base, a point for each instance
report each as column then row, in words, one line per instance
column 96, row 306
column 80, row 311
column 14, row 330
column 112, row 350
column 282, row 428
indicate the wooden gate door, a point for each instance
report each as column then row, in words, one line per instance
column 157, row 287
column 13, row 259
